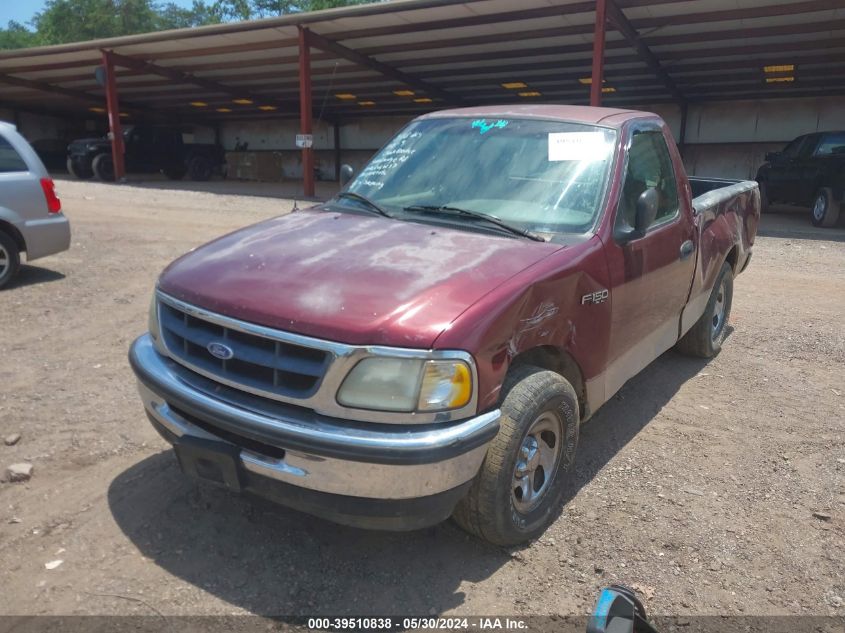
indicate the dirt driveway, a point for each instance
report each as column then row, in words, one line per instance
column 697, row 483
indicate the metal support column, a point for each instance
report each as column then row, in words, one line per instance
column 115, row 130
column 305, row 111
column 598, row 53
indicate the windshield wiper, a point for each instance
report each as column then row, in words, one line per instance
column 369, row 203
column 478, row 215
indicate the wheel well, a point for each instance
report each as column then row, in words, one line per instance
column 732, row 257
column 12, row 231
column 559, row 361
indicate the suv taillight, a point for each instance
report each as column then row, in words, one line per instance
column 54, row 205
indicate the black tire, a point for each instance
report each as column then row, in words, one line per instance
column 825, row 209
column 78, row 171
column 765, row 203
column 705, row 338
column 491, row 509
column 175, row 173
column 200, row 168
column 103, row 167
column 10, row 259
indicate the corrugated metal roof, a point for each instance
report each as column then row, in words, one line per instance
column 465, row 50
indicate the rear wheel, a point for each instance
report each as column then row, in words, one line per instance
column 10, row 259
column 519, row 490
column 78, row 170
column 825, row 208
column 705, row 338
column 103, row 167
column 200, row 168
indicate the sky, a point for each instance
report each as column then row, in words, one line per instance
column 23, row 10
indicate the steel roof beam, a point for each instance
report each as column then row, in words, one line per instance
column 47, row 87
column 344, row 52
column 621, row 24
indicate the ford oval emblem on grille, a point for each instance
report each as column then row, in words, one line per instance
column 218, row 350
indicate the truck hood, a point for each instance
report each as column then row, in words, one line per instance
column 349, row 278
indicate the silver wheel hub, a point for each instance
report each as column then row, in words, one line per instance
column 4, row 261
column 537, row 462
column 819, row 207
column 719, row 311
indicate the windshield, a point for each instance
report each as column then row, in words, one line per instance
column 540, row 176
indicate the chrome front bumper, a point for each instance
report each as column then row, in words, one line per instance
column 320, row 454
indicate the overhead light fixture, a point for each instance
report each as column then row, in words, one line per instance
column 782, row 68
column 588, row 81
column 779, row 80
column 267, row 108
column 243, row 101
column 224, row 110
column 97, row 109
column 514, row 85
column 423, row 100
column 366, row 103
column 404, row 93
column 530, row 93
column 345, row 96
column 608, row 89
column 124, row 114
column 199, row 104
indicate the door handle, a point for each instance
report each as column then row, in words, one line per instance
column 687, row 249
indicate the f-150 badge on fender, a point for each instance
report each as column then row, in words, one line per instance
column 599, row 296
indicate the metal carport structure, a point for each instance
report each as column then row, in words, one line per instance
column 405, row 57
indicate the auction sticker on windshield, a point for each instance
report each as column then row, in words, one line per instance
column 577, row 146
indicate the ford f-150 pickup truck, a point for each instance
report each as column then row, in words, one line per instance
column 428, row 342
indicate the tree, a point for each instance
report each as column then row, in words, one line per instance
column 78, row 20
column 172, row 16
column 16, row 35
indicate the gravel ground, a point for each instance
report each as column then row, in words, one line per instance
column 712, row 487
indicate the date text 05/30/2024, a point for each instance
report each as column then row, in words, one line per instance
column 423, row 623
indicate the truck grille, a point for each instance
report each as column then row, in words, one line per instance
column 257, row 363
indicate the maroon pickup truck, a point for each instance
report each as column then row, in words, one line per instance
column 428, row 342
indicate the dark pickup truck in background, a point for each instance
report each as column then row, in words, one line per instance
column 149, row 150
column 809, row 172
column 428, row 342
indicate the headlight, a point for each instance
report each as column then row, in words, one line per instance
column 406, row 385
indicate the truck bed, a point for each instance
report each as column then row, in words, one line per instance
column 711, row 193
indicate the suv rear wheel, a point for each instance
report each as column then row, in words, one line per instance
column 825, row 208
column 519, row 490
column 10, row 259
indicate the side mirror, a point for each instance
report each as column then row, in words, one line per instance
column 647, row 205
column 346, row 173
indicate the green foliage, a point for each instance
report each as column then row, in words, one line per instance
column 16, row 35
column 79, row 20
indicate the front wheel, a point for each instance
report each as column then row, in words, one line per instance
column 519, row 490
column 103, row 167
column 200, row 168
column 76, row 169
column 705, row 338
column 825, row 208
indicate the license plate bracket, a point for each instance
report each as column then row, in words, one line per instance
column 209, row 460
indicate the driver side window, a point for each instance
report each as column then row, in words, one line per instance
column 649, row 166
